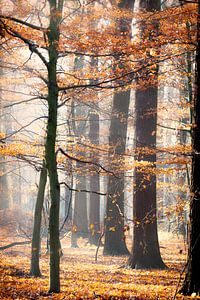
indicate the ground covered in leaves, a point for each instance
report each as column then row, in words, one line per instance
column 83, row 278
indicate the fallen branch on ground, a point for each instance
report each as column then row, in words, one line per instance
column 14, row 244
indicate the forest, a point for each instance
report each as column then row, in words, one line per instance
column 99, row 149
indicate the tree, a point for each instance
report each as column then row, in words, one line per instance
column 80, row 219
column 191, row 283
column 4, row 200
column 53, row 35
column 145, row 250
column 94, row 204
column 36, row 239
column 59, row 84
column 114, row 219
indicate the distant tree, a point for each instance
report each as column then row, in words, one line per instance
column 94, row 183
column 4, row 200
column 145, row 250
column 114, row 219
column 80, row 218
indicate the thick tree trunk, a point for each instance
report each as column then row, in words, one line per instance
column 94, row 208
column 145, row 252
column 191, row 282
column 114, row 220
column 35, row 247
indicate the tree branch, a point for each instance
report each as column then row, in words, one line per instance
column 85, row 162
column 83, row 191
column 23, row 23
column 14, row 244
column 32, row 46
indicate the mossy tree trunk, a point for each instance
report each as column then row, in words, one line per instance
column 50, row 153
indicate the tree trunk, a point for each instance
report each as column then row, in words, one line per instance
column 145, row 252
column 80, row 223
column 114, row 220
column 80, row 219
column 50, row 154
column 191, row 282
column 94, row 209
column 35, row 248
column 4, row 199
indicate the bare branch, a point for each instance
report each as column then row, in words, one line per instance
column 83, row 191
column 85, row 162
column 14, row 244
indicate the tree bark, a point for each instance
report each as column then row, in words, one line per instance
column 114, row 219
column 191, row 282
column 145, row 252
column 50, row 154
column 80, row 219
column 94, row 208
column 4, row 199
column 35, row 247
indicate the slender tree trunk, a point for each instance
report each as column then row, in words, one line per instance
column 35, row 248
column 145, row 252
column 114, row 219
column 191, row 282
column 94, row 209
column 50, row 154
column 4, row 199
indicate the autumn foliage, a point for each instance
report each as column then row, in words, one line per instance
column 83, row 278
column 125, row 61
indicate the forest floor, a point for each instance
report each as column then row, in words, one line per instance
column 83, row 278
